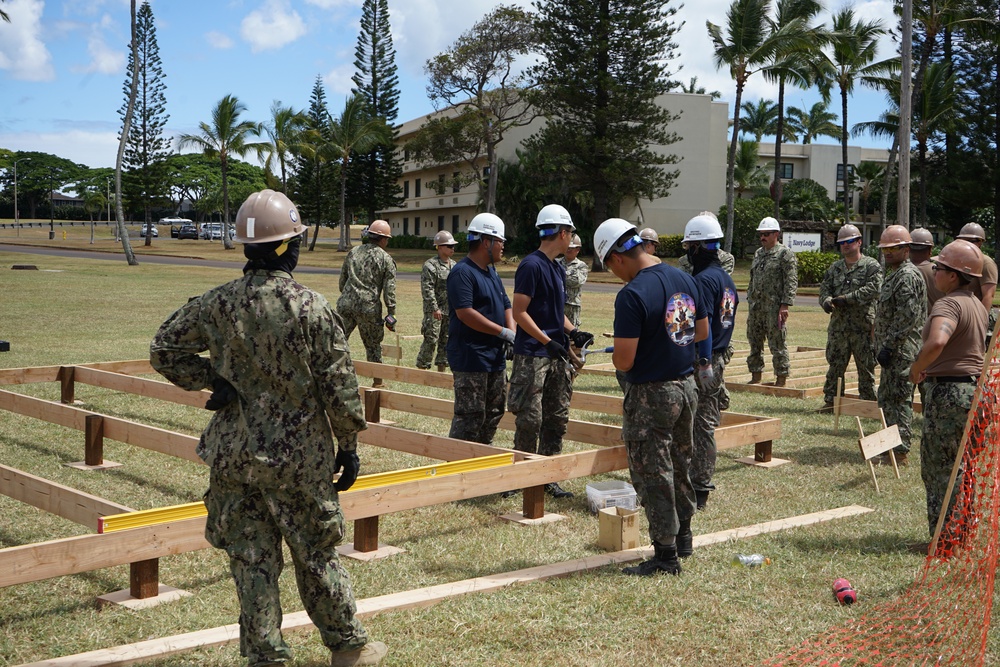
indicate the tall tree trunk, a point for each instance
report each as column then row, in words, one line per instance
column 345, row 228
column 777, row 147
column 883, row 209
column 995, row 156
column 227, row 242
column 148, row 222
column 123, row 233
column 908, row 93
column 731, row 170
column 843, row 148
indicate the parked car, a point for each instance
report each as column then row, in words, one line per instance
column 175, row 225
column 213, row 231
column 154, row 232
column 187, row 232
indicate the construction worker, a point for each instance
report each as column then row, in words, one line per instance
column 949, row 364
column 283, row 388
column 650, row 240
column 702, row 238
column 480, row 329
column 902, row 311
column 848, row 294
column 773, row 283
column 921, row 248
column 541, row 377
column 576, row 276
column 726, row 260
column 658, row 361
column 985, row 286
column 368, row 274
column 434, row 290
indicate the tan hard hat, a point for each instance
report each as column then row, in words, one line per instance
column 649, row 234
column 972, row 231
column 267, row 216
column 444, row 237
column 380, row 228
column 848, row 232
column 894, row 235
column 575, row 242
column 922, row 237
column 961, row 256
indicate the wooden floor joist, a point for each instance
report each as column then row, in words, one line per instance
column 425, row 597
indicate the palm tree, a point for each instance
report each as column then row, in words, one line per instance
column 749, row 174
column 694, row 89
column 867, row 173
column 283, row 133
column 747, row 46
column 354, row 132
column 227, row 135
column 760, row 119
column 817, row 122
column 855, row 45
column 934, row 113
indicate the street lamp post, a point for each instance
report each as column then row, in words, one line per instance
column 17, row 218
column 109, row 209
column 52, row 227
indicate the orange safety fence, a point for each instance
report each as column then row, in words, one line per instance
column 943, row 618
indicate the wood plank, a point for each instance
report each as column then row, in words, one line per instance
column 423, row 444
column 28, row 375
column 405, row 374
column 856, row 407
column 163, row 391
column 423, row 597
column 130, row 367
column 880, row 442
column 63, row 501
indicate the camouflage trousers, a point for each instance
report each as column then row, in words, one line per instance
column 479, row 400
column 762, row 322
column 706, row 419
column 895, row 397
column 573, row 314
column 945, row 412
column 840, row 345
column 369, row 327
column 540, row 391
column 248, row 518
column 657, row 430
column 435, row 333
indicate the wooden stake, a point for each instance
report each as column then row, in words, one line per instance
column 66, row 385
column 94, row 440
column 533, row 502
column 143, row 579
column 366, row 534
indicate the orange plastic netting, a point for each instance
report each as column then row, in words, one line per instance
column 944, row 617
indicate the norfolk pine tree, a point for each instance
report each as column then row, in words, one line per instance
column 313, row 182
column 146, row 148
column 605, row 65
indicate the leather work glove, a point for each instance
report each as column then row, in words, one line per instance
column 556, row 351
column 827, row 305
column 706, row 374
column 507, row 335
column 351, row 464
column 581, row 338
column 223, row 394
column 839, row 301
column 883, row 357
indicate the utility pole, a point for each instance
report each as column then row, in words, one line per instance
column 905, row 115
column 17, row 218
column 52, row 227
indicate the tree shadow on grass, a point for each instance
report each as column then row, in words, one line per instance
column 829, row 455
column 873, row 544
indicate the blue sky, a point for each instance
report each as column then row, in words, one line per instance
column 62, row 62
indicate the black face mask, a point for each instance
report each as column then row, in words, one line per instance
column 700, row 258
column 265, row 256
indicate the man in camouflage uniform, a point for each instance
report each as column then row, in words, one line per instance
column 650, row 240
column 774, row 281
column 921, row 248
column 902, row 311
column 541, row 378
column 984, row 286
column 657, row 356
column 434, row 290
column 369, row 273
column 848, row 293
column 576, row 276
column 726, row 260
column 284, row 387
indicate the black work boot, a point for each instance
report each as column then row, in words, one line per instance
column 701, row 499
column 685, row 540
column 664, row 560
column 557, row 491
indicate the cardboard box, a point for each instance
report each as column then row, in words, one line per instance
column 618, row 529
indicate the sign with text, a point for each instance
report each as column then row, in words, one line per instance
column 802, row 241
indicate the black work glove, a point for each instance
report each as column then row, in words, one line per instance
column 840, row 301
column 556, row 351
column 827, row 306
column 351, row 464
column 508, row 351
column 223, row 394
column 581, row 339
column 883, row 357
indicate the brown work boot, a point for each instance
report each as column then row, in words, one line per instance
column 377, row 383
column 370, row 654
column 901, row 458
column 827, row 407
column 754, row 378
column 779, row 380
column 442, row 368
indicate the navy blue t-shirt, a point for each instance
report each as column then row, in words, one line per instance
column 469, row 286
column 719, row 291
column 544, row 281
column 659, row 307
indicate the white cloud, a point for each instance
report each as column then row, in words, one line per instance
column 218, row 40
column 103, row 59
column 272, row 26
column 22, row 51
column 331, row 4
column 94, row 149
column 338, row 84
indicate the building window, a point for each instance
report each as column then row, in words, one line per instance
column 440, row 222
column 840, row 171
column 406, row 189
column 454, row 184
column 787, row 171
column 440, row 187
column 406, row 154
column 454, row 224
column 416, row 225
column 416, row 188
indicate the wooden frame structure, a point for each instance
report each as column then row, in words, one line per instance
column 141, row 547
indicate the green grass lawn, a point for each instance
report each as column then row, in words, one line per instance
column 79, row 311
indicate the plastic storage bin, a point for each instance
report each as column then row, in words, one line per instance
column 611, row 493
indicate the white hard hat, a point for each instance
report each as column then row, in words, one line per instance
column 607, row 235
column 649, row 234
column 575, row 242
column 768, row 224
column 444, row 237
column 554, row 214
column 703, row 227
column 488, row 224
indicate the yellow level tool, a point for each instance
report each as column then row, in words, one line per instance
column 192, row 510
